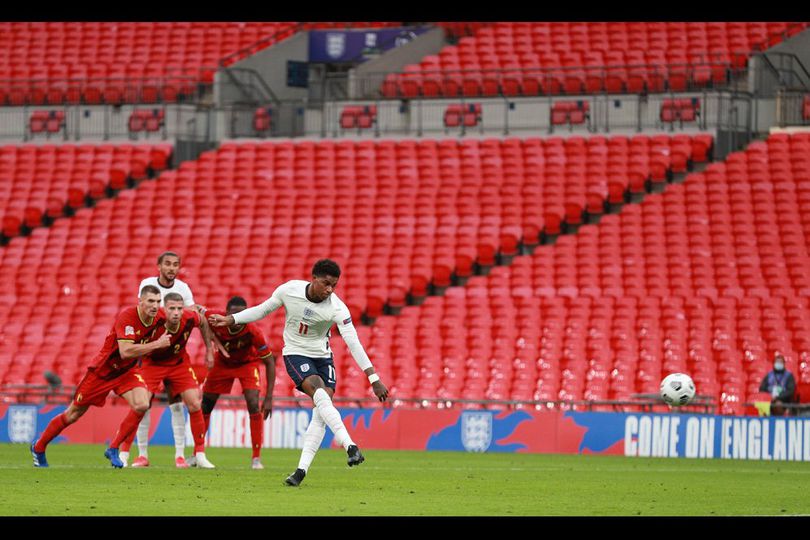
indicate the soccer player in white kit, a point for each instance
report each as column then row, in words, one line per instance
column 311, row 309
column 166, row 282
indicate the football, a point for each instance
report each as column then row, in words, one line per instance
column 677, row 389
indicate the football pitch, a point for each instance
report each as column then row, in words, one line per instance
column 80, row 482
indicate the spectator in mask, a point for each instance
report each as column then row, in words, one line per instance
column 781, row 384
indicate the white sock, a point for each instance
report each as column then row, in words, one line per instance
column 312, row 440
column 143, row 435
column 178, row 428
column 331, row 416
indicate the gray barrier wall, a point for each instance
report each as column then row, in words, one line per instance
column 533, row 115
column 271, row 65
column 104, row 122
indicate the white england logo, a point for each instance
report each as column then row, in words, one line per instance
column 476, row 431
column 22, row 424
column 129, row 330
column 335, row 45
column 305, row 368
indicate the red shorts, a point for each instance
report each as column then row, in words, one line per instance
column 220, row 378
column 93, row 390
column 176, row 379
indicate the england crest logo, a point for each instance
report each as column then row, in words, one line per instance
column 476, row 431
column 22, row 424
column 335, row 45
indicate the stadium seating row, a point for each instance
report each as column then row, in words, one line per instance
column 530, row 59
column 40, row 183
column 128, row 62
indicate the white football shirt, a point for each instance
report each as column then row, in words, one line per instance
column 179, row 287
column 306, row 330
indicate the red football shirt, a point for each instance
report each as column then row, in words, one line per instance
column 176, row 353
column 128, row 326
column 245, row 345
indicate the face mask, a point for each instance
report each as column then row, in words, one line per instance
column 779, row 366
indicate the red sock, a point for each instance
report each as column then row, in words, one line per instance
column 54, row 428
column 256, row 433
column 126, row 444
column 207, row 418
column 127, row 428
column 197, row 430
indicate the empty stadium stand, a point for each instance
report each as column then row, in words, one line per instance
column 533, row 58
column 128, row 62
column 42, row 182
column 250, row 215
column 709, row 278
column 543, row 269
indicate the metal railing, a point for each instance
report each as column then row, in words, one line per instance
column 790, row 108
column 287, row 119
column 780, row 71
column 251, row 87
column 50, row 395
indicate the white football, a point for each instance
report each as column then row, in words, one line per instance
column 677, row 389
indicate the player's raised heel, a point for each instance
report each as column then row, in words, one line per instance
column 112, row 455
column 355, row 457
column 39, row 457
column 296, row 478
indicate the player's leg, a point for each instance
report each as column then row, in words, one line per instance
column 209, row 401
column 143, row 435
column 317, row 387
column 152, row 375
column 215, row 384
column 256, row 426
column 313, row 437
column 53, row 429
column 178, row 426
column 191, row 397
column 143, row 443
column 138, row 399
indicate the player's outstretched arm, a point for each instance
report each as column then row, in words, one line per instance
column 209, row 338
column 220, row 320
column 253, row 314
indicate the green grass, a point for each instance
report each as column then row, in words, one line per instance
column 80, row 482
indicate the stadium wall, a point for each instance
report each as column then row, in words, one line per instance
column 271, row 65
column 681, row 435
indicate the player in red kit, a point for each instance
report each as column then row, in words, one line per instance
column 133, row 335
column 247, row 347
column 172, row 367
